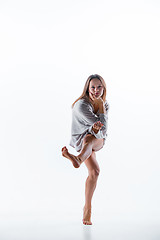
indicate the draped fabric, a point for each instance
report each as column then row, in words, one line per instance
column 83, row 118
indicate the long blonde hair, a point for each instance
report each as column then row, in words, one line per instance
column 85, row 93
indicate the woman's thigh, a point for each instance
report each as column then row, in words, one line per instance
column 91, row 163
column 97, row 143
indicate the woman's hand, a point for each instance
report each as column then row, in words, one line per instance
column 96, row 101
column 97, row 126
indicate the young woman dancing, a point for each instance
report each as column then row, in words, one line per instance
column 88, row 134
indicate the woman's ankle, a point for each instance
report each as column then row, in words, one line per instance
column 87, row 207
column 79, row 159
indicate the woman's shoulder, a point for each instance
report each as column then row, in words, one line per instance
column 82, row 103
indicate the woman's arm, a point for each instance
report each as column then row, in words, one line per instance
column 102, row 108
column 84, row 113
column 99, row 102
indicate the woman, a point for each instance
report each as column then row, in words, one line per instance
column 89, row 131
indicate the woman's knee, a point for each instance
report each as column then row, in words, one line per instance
column 94, row 173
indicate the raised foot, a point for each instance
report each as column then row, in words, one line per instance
column 87, row 216
column 76, row 161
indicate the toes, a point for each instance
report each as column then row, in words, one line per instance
column 87, row 223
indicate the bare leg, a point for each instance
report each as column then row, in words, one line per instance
column 89, row 143
column 89, row 147
column 76, row 161
column 91, row 182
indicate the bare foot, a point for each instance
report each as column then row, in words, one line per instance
column 87, row 216
column 76, row 161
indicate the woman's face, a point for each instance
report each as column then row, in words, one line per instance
column 95, row 88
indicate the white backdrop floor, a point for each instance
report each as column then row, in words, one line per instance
column 70, row 227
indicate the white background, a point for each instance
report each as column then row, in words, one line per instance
column 47, row 51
